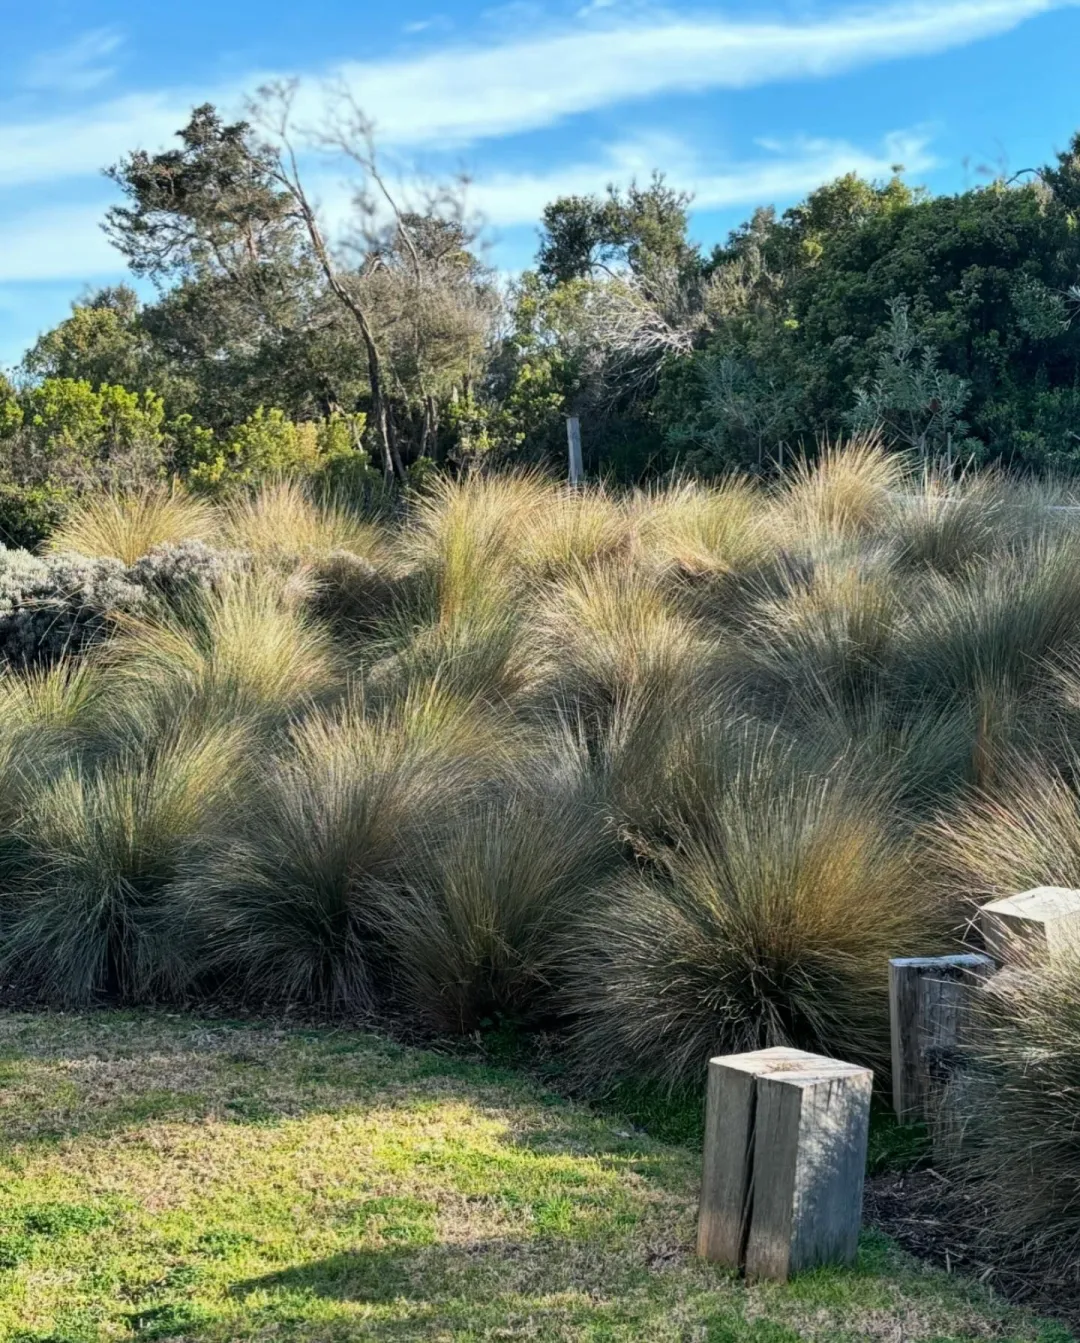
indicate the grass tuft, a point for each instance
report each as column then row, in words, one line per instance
column 128, row 526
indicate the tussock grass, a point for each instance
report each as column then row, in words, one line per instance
column 1022, row 833
column 771, row 922
column 997, row 626
column 1020, row 1150
column 564, row 529
column 127, row 526
column 249, row 648
column 705, row 530
column 464, row 536
column 833, row 634
column 611, row 632
column 292, row 900
column 476, row 932
column 92, row 908
column 847, row 490
column 282, row 524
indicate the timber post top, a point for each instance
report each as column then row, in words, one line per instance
column 967, row 960
column 1038, row 903
column 789, row 1065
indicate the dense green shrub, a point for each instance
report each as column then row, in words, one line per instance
column 30, row 514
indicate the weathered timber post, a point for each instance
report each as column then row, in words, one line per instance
column 1044, row 922
column 573, row 443
column 927, row 996
column 785, row 1154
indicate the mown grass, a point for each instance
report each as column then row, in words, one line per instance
column 163, row 1176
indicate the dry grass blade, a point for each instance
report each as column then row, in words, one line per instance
column 282, row 525
column 127, row 526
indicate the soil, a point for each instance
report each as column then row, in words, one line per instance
column 937, row 1220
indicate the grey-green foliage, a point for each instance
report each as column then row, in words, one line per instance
column 53, row 604
column 918, row 403
column 172, row 571
column 56, row 604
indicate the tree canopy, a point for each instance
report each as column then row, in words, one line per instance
column 946, row 322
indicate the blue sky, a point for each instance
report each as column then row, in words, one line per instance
column 741, row 102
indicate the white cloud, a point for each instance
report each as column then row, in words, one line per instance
column 789, row 172
column 458, row 95
column 80, row 66
column 80, row 146
column 463, row 94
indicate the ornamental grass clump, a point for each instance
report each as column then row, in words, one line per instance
column 1022, row 833
column 848, row 490
column 282, row 525
column 475, row 932
column 946, row 524
column 565, row 528
column 999, row 626
column 1019, row 1148
column 127, row 526
column 90, row 907
column 290, row 899
column 771, row 920
column 608, row 634
column 833, row 634
column 705, row 531
column 246, row 649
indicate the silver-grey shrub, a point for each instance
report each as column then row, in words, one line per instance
column 54, row 604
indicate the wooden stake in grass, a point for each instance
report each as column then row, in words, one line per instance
column 1044, row 922
column 785, row 1153
column 926, row 1008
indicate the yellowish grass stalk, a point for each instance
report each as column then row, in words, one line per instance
column 282, row 524
column 127, row 526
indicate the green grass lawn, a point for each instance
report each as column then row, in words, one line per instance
column 168, row 1177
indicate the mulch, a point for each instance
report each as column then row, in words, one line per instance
column 938, row 1220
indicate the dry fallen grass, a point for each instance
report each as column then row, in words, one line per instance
column 165, row 1177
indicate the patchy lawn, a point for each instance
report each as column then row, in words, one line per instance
column 167, row 1177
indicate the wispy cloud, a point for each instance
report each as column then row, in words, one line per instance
column 76, row 68
column 457, row 95
column 80, row 146
column 464, row 94
column 789, row 171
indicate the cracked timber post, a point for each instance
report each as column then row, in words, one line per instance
column 785, row 1155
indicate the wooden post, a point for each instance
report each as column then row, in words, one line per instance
column 1044, row 922
column 573, row 439
column 926, row 1007
column 785, row 1154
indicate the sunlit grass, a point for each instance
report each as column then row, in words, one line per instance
column 167, row 1177
column 127, row 526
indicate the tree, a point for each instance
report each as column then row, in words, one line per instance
column 256, row 288
column 641, row 230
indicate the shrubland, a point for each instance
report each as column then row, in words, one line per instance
column 655, row 773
